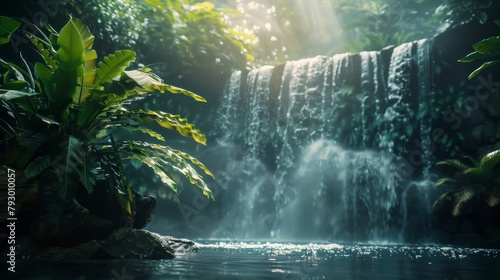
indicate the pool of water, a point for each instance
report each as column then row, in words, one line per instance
column 266, row 260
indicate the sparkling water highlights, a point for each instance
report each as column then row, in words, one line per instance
column 268, row 260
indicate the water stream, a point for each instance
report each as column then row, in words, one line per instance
column 324, row 148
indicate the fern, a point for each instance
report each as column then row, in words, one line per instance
column 462, row 197
column 478, row 180
column 489, row 161
column 454, row 163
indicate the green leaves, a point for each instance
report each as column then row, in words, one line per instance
column 454, row 163
column 164, row 161
column 478, row 179
column 113, row 66
column 490, row 160
column 7, row 27
column 462, row 197
column 484, row 49
column 13, row 94
column 69, row 105
column 165, row 120
column 149, row 82
column 69, row 75
column 488, row 46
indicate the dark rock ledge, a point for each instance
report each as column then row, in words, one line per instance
column 124, row 243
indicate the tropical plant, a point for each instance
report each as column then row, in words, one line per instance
column 485, row 49
column 478, row 179
column 66, row 116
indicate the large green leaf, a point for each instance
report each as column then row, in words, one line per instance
column 170, row 160
column 487, row 46
column 191, row 159
column 444, row 181
column 164, row 119
column 150, row 82
column 133, row 127
column 7, row 27
column 46, row 50
column 113, row 66
column 462, row 197
column 72, row 162
column 70, row 73
column 19, row 74
column 159, row 171
column 117, row 184
column 482, row 67
column 29, row 147
column 490, row 160
column 86, row 36
column 14, row 94
column 454, row 163
column 37, row 166
column 45, row 75
column 475, row 55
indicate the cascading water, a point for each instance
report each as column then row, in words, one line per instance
column 318, row 146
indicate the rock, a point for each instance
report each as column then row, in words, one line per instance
column 101, row 203
column 490, row 130
column 60, row 223
column 497, row 134
column 469, row 240
column 492, row 232
column 180, row 245
column 136, row 243
column 441, row 237
column 124, row 243
column 477, row 133
column 451, row 225
column 467, row 227
column 494, row 105
column 470, row 143
column 483, row 150
column 474, row 118
column 145, row 208
column 494, row 243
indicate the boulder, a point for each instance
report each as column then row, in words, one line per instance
column 469, row 240
column 477, row 133
column 124, row 243
column 63, row 223
column 136, row 243
column 145, row 209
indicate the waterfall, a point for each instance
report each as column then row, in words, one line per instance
column 326, row 146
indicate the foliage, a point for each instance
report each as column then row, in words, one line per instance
column 485, row 49
column 456, row 12
column 66, row 117
column 183, row 33
column 289, row 30
column 477, row 179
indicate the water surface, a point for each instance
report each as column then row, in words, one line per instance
column 266, row 260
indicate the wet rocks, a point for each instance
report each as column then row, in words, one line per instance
column 124, row 243
column 145, row 208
